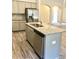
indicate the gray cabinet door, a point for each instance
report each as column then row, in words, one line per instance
column 30, row 34
column 52, row 46
column 35, row 40
column 38, row 44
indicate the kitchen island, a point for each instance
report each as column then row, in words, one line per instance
column 44, row 39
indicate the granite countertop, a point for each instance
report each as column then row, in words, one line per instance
column 46, row 29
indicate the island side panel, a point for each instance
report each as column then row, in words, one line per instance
column 52, row 46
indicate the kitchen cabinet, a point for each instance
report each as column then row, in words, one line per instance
column 30, row 5
column 34, row 39
column 22, row 25
column 34, row 5
column 30, row 0
column 15, row 25
column 30, row 31
column 14, row 7
column 26, row 0
column 38, row 41
column 47, row 46
column 18, row 21
column 21, row 7
column 52, row 46
column 27, row 5
column 18, row 25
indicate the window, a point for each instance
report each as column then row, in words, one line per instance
column 55, row 14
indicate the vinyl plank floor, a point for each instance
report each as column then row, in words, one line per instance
column 22, row 50
column 20, row 47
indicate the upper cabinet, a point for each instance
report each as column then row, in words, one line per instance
column 27, row 0
column 14, row 7
column 19, row 6
column 34, row 5
column 30, row 5
column 30, row 1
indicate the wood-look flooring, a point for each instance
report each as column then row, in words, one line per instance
column 22, row 50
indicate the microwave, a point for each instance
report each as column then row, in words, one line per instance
column 31, row 14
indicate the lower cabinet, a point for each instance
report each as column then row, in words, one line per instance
column 52, row 46
column 35, row 40
column 38, row 44
column 15, row 25
column 22, row 25
column 18, row 25
column 46, row 46
column 30, row 31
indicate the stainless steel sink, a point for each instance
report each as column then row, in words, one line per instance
column 37, row 25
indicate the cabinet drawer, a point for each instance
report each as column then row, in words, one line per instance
column 22, row 25
column 15, row 25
